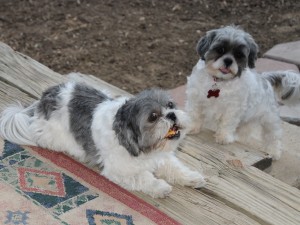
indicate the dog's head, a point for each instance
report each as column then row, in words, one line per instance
column 150, row 122
column 227, row 51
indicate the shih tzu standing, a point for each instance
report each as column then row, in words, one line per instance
column 226, row 95
column 133, row 140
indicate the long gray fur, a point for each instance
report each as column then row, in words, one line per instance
column 130, row 124
column 49, row 101
column 276, row 80
column 81, row 107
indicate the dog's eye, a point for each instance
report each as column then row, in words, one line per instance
column 239, row 55
column 220, row 50
column 171, row 105
column 153, row 117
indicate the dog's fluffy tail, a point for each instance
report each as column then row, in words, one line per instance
column 14, row 124
column 286, row 85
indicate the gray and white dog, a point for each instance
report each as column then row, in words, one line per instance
column 132, row 139
column 225, row 94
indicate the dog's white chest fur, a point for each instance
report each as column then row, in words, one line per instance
column 241, row 93
column 102, row 132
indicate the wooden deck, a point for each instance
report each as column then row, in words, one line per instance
column 236, row 193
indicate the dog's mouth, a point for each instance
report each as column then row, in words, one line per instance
column 225, row 70
column 173, row 133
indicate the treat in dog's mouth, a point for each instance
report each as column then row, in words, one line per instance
column 173, row 132
column 225, row 70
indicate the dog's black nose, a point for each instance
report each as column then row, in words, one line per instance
column 227, row 62
column 171, row 116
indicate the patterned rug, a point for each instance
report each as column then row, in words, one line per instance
column 42, row 187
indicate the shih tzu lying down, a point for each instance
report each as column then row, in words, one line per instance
column 225, row 95
column 133, row 140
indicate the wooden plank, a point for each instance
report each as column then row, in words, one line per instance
column 247, row 189
column 260, row 198
column 25, row 73
column 246, row 154
column 10, row 95
column 33, row 77
column 91, row 80
column 190, row 206
column 197, row 208
column 244, row 188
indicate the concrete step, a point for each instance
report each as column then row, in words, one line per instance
column 286, row 52
column 264, row 64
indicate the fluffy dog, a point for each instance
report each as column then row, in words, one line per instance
column 133, row 140
column 225, row 94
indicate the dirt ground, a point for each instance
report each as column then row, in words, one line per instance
column 140, row 43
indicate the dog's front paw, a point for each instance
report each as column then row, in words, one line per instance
column 193, row 179
column 224, row 138
column 161, row 189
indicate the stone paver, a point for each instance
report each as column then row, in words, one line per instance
column 264, row 64
column 286, row 52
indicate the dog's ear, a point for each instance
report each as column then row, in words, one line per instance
column 253, row 51
column 126, row 129
column 205, row 42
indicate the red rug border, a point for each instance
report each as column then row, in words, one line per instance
column 103, row 184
